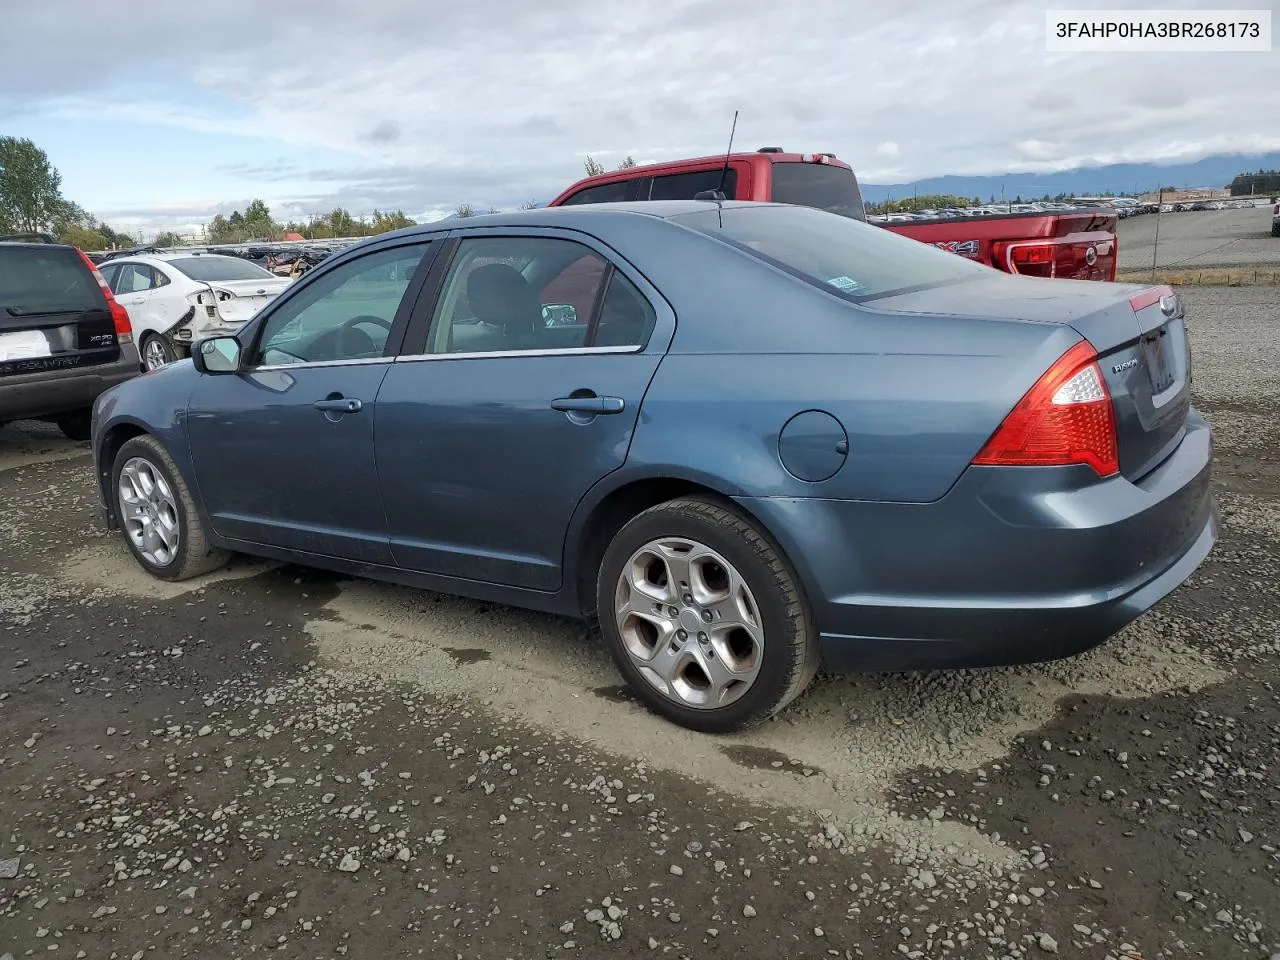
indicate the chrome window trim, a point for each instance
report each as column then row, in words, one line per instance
column 498, row 354
column 363, row 361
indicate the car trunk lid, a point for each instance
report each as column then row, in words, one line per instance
column 239, row 300
column 1139, row 334
column 1146, row 362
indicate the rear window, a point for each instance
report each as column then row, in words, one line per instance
column 213, row 269
column 45, row 280
column 838, row 254
column 819, row 185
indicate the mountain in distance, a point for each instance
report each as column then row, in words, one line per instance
column 1120, row 178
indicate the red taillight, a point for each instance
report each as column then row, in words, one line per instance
column 1148, row 298
column 119, row 315
column 1029, row 259
column 1065, row 418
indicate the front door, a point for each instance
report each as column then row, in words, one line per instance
column 525, row 394
column 283, row 449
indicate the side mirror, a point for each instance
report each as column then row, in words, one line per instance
column 216, row 355
column 559, row 315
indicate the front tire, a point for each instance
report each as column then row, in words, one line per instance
column 704, row 616
column 156, row 352
column 155, row 508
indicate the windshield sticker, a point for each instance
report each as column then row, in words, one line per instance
column 847, row 284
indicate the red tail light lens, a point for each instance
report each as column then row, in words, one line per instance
column 1029, row 259
column 1065, row 418
column 119, row 315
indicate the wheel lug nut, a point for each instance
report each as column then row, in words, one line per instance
column 706, row 616
column 702, row 638
column 688, row 598
column 683, row 635
column 673, row 611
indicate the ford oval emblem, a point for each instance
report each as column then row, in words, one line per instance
column 1091, row 256
column 1169, row 305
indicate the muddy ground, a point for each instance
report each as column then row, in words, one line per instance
column 277, row 759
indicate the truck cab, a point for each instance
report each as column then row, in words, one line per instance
column 1075, row 243
column 770, row 174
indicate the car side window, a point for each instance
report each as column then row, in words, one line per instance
column 158, row 277
column 517, row 293
column 615, row 192
column 134, row 278
column 627, row 318
column 685, row 186
column 109, row 272
column 346, row 314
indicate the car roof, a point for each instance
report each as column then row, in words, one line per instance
column 574, row 215
column 153, row 258
column 35, row 245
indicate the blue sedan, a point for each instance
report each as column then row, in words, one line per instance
column 745, row 439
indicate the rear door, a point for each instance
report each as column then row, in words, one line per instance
column 132, row 287
column 517, row 393
column 52, row 312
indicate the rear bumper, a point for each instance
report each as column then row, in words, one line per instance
column 51, row 392
column 1013, row 565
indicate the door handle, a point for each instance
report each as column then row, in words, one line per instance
column 339, row 405
column 589, row 404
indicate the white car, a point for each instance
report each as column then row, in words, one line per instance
column 174, row 299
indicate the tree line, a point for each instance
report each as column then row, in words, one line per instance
column 31, row 201
column 257, row 223
column 1248, row 184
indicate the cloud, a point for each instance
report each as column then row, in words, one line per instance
column 385, row 132
column 499, row 101
column 1039, row 149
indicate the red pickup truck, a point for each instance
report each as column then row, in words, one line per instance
column 1076, row 244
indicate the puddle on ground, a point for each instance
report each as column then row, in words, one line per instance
column 616, row 693
column 766, row 758
column 466, row 655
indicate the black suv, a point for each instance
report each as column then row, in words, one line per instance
column 63, row 337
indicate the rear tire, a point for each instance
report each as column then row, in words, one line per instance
column 161, row 524
column 703, row 559
column 1275, row 229
column 156, row 352
column 75, row 425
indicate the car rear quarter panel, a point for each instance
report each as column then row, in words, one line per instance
column 917, row 394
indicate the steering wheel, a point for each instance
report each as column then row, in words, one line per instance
column 349, row 336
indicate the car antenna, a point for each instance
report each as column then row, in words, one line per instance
column 718, row 193
column 724, row 171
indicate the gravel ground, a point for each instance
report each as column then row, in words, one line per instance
column 1201, row 238
column 280, row 759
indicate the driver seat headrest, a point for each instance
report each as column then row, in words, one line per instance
column 500, row 295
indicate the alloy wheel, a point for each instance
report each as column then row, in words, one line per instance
column 149, row 512
column 689, row 622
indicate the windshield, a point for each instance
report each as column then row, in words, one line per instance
column 45, row 280
column 207, row 269
column 819, row 185
column 841, row 255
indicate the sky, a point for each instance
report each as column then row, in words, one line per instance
column 159, row 114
